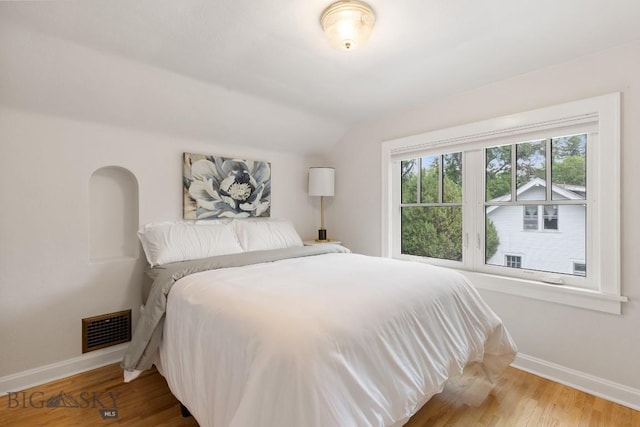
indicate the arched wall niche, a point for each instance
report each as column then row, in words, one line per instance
column 113, row 214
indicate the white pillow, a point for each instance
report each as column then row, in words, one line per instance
column 180, row 241
column 262, row 235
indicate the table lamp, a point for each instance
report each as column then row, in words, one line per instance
column 321, row 183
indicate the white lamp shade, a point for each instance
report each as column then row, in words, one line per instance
column 321, row 181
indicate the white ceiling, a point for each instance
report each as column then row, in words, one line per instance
column 419, row 51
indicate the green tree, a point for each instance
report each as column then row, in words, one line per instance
column 569, row 157
column 498, row 171
column 530, row 162
column 429, row 184
column 432, row 232
column 569, row 146
column 570, row 171
column 492, row 241
column 409, row 180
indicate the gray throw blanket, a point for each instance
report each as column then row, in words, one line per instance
column 146, row 338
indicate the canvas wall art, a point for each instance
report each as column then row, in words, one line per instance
column 223, row 187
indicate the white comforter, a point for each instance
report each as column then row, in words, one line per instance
column 319, row 341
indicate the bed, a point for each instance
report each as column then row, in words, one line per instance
column 313, row 336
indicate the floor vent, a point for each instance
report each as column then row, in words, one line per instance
column 106, row 330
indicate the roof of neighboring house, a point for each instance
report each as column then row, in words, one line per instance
column 568, row 191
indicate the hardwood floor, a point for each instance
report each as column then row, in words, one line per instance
column 517, row 399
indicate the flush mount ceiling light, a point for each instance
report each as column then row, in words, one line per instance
column 347, row 24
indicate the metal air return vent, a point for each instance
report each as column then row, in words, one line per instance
column 106, row 330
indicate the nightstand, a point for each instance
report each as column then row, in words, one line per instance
column 314, row 242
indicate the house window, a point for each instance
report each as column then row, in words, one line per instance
column 551, row 217
column 531, row 217
column 468, row 197
column 513, row 261
column 517, row 178
column 579, row 269
column 530, row 221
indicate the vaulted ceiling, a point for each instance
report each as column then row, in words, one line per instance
column 262, row 58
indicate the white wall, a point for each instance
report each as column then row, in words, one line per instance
column 53, row 76
column 66, row 111
column 47, row 281
column 601, row 345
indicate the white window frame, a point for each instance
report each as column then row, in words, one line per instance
column 601, row 117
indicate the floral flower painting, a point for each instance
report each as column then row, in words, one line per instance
column 222, row 187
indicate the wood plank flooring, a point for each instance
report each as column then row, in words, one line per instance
column 517, row 399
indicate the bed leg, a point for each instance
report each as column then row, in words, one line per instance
column 184, row 411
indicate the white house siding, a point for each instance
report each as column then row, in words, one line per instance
column 544, row 250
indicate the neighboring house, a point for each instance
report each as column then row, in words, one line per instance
column 541, row 237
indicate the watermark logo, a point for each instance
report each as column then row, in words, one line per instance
column 106, row 402
column 108, row 414
column 62, row 400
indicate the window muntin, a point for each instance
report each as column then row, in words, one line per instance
column 513, row 261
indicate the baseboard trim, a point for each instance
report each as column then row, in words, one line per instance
column 55, row 371
column 597, row 386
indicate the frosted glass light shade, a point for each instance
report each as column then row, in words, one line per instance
column 347, row 24
column 321, row 181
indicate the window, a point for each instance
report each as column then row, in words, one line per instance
column 474, row 196
column 431, row 206
column 551, row 217
column 530, row 221
column 531, row 217
column 579, row 269
column 513, row 261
